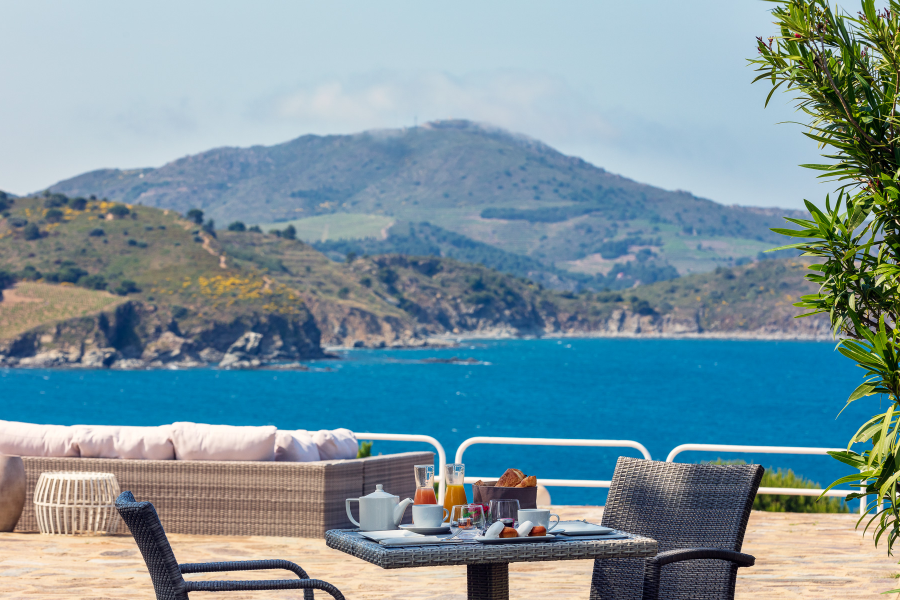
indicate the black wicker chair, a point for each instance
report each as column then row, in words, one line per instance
column 166, row 573
column 698, row 515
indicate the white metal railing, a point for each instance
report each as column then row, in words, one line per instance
column 770, row 450
column 518, row 441
column 403, row 437
column 602, row 483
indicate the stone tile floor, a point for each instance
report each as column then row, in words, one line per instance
column 798, row 556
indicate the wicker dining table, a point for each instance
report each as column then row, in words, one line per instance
column 487, row 565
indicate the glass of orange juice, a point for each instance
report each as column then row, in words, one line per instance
column 455, row 494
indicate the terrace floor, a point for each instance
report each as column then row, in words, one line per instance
column 798, row 556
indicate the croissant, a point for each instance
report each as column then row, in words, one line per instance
column 530, row 481
column 479, row 482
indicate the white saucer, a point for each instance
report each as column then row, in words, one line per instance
column 427, row 530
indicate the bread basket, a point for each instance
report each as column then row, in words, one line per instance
column 483, row 494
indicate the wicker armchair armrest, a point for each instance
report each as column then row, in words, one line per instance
column 653, row 566
column 243, row 565
column 304, row 582
column 264, row 584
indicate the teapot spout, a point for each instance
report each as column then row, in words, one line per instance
column 400, row 510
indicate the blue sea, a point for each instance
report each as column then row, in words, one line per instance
column 661, row 393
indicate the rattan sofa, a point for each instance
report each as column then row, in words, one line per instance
column 243, row 498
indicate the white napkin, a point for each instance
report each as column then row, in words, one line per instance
column 524, row 529
column 494, row 530
column 414, row 541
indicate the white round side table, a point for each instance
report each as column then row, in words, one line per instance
column 68, row 503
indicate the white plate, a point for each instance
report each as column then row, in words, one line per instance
column 426, row 530
column 582, row 528
column 516, row 540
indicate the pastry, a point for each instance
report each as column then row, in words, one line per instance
column 538, row 530
column 510, row 478
column 509, row 532
column 530, row 481
column 479, row 482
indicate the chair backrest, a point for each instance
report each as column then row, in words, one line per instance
column 148, row 532
column 680, row 506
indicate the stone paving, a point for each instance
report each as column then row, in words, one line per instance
column 798, row 556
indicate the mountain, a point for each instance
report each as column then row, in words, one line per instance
column 98, row 284
column 508, row 191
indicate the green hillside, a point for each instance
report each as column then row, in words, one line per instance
column 171, row 274
column 97, row 278
column 508, row 191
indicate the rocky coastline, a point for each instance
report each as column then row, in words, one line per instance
column 139, row 336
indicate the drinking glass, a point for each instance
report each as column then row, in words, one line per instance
column 467, row 520
column 504, row 511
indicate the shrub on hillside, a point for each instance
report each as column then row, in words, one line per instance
column 54, row 215
column 78, row 203
column 29, row 273
column 96, row 232
column 126, row 286
column 210, row 227
column 93, row 282
column 237, row 226
column 6, row 281
column 119, row 211
column 66, row 274
column 31, row 232
column 54, row 200
column 255, row 229
column 195, row 215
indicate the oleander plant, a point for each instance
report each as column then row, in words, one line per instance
column 843, row 70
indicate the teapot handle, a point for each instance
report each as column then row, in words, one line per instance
column 349, row 515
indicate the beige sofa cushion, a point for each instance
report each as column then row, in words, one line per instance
column 199, row 441
column 139, row 443
column 336, row 444
column 295, row 446
column 29, row 439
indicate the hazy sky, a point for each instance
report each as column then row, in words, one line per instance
column 656, row 90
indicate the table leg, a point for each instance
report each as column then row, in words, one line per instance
column 488, row 581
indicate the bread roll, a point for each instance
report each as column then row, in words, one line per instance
column 538, row 530
column 479, row 482
column 530, row 481
column 509, row 532
column 510, row 478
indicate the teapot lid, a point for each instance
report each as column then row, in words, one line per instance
column 380, row 493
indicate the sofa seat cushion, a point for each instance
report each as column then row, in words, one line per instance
column 140, row 443
column 199, row 441
column 29, row 439
column 295, row 446
column 336, row 444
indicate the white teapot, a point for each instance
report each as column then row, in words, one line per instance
column 379, row 511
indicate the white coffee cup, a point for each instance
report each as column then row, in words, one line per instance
column 429, row 515
column 537, row 516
